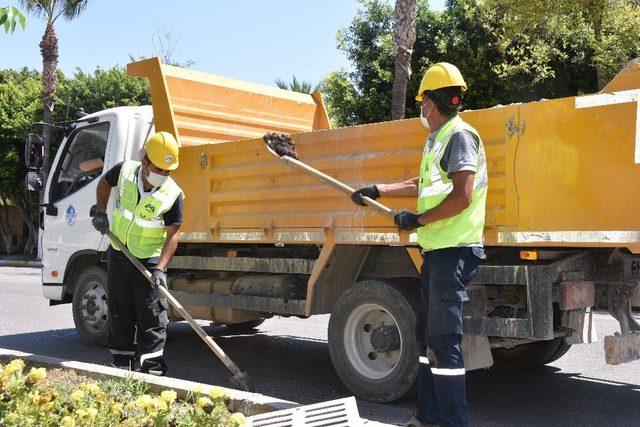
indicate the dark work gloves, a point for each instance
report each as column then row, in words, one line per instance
column 101, row 222
column 370, row 192
column 407, row 221
column 160, row 276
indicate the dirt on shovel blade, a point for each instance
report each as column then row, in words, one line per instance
column 281, row 144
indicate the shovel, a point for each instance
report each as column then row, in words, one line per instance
column 239, row 378
column 281, row 146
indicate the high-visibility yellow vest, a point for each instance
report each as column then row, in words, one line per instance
column 139, row 224
column 464, row 229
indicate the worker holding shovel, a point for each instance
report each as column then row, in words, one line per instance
column 147, row 220
column 451, row 190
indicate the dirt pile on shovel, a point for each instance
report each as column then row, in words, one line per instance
column 281, row 144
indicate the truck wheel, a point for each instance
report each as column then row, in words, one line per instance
column 90, row 306
column 245, row 326
column 531, row 355
column 372, row 339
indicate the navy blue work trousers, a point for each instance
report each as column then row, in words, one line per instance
column 441, row 376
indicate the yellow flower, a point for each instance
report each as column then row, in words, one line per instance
column 217, row 393
column 81, row 413
column 143, row 401
column 47, row 407
column 37, row 374
column 116, row 409
column 34, row 398
column 237, row 419
column 160, row 404
column 77, row 396
column 204, row 401
column 90, row 388
column 92, row 413
column 169, row 396
column 206, row 404
column 15, row 366
column 67, row 421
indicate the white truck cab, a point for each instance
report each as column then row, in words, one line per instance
column 70, row 244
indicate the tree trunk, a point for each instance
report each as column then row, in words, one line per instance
column 29, row 213
column 404, row 36
column 5, row 226
column 49, row 52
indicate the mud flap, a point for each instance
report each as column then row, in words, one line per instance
column 620, row 349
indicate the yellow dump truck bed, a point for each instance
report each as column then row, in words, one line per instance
column 561, row 172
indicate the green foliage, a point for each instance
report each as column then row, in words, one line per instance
column 19, row 106
column 102, row 89
column 503, row 59
column 10, row 17
column 609, row 27
column 26, row 400
column 296, row 85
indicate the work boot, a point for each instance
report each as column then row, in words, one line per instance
column 159, row 369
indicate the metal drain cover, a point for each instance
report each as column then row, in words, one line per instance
column 334, row 413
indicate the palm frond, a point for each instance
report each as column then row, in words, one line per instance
column 296, row 85
column 39, row 8
column 72, row 8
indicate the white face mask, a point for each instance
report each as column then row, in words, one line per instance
column 156, row 179
column 423, row 118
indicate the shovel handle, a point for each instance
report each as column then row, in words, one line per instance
column 338, row 184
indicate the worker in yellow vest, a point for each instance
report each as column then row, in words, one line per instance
column 451, row 189
column 147, row 220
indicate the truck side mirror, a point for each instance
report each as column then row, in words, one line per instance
column 33, row 151
column 34, row 181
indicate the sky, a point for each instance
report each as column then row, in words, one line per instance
column 253, row 40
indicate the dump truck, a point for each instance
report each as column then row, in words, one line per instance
column 261, row 239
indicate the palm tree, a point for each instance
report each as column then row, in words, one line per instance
column 404, row 36
column 296, row 85
column 51, row 10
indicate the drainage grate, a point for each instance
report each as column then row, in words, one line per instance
column 335, row 413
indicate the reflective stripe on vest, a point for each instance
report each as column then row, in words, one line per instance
column 434, row 185
column 139, row 224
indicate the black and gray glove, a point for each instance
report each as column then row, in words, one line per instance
column 370, row 192
column 160, row 277
column 407, row 221
column 101, row 222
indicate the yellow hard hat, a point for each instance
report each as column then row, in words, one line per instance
column 163, row 151
column 441, row 75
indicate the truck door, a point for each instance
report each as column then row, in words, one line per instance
column 71, row 193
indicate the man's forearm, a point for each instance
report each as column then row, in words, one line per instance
column 451, row 206
column 408, row 188
column 103, row 191
column 168, row 250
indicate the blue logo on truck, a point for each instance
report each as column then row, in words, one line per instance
column 70, row 215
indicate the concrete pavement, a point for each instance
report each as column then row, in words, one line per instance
column 288, row 358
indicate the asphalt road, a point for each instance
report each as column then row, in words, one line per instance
column 289, row 359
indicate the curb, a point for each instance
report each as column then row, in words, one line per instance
column 240, row 401
column 20, row 263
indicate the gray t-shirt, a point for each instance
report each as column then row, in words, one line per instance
column 461, row 154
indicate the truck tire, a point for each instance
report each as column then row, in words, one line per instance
column 372, row 339
column 90, row 313
column 532, row 355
